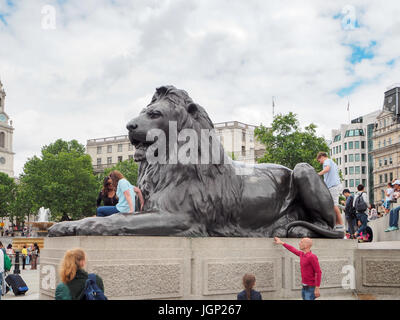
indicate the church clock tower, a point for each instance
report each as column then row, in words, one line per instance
column 6, row 134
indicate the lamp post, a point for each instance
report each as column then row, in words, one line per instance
column 16, row 263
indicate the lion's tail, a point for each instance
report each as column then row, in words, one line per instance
column 322, row 231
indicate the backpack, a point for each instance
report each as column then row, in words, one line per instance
column 7, row 263
column 92, row 290
column 360, row 204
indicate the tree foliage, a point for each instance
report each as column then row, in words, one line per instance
column 7, row 194
column 62, row 180
column 129, row 168
column 287, row 144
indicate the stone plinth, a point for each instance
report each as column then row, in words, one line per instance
column 379, row 226
column 378, row 268
column 195, row 268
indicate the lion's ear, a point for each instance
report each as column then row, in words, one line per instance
column 162, row 90
column 193, row 110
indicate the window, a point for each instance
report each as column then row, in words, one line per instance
column 385, row 161
column 120, row 148
column 351, row 157
column 109, row 149
column 351, row 183
column 109, row 160
column 243, row 150
column 351, row 145
column 380, row 179
column 364, row 182
column 130, row 157
column 347, row 184
column 357, row 182
column 119, row 158
column 391, row 176
column 362, row 144
column 98, row 161
column 130, row 147
column 351, row 170
column 98, row 150
column 390, row 160
column 363, row 157
column 379, row 144
column 337, row 149
column 363, row 170
column 340, row 148
column 380, row 162
column 345, row 145
column 357, row 170
column 337, row 138
column 390, row 141
column 386, row 178
column 357, row 145
column 384, row 143
column 357, row 157
column 345, row 171
column 243, row 136
column 345, row 158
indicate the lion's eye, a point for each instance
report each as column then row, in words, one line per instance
column 154, row 114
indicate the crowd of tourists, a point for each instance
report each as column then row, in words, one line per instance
column 358, row 210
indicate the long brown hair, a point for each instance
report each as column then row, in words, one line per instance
column 248, row 282
column 106, row 188
column 115, row 176
column 71, row 263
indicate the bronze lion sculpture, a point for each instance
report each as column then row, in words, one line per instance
column 225, row 198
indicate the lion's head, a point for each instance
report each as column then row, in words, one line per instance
column 167, row 105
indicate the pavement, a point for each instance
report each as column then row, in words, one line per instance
column 31, row 278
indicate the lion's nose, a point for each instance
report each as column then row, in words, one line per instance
column 131, row 126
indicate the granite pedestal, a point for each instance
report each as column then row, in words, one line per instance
column 196, row 268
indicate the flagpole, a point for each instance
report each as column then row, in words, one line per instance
column 348, row 109
column 273, row 108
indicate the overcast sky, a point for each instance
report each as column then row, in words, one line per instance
column 86, row 71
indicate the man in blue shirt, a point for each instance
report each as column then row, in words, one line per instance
column 332, row 181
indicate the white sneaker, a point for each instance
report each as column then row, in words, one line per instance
column 339, row 227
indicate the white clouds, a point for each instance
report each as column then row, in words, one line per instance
column 100, row 66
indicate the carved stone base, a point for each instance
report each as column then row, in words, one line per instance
column 195, row 268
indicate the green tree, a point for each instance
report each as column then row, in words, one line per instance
column 23, row 204
column 7, row 194
column 287, row 144
column 62, row 180
column 129, row 168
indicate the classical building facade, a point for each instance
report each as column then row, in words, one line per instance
column 237, row 139
column 6, row 138
column 107, row 152
column 386, row 142
column 350, row 149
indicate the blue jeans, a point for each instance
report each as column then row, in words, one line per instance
column 364, row 220
column 106, row 211
column 307, row 293
column 394, row 217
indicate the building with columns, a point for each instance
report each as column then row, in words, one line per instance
column 6, row 138
column 237, row 139
column 386, row 142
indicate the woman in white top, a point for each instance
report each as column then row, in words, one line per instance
column 388, row 197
